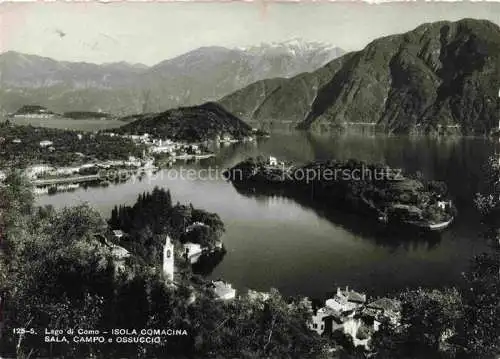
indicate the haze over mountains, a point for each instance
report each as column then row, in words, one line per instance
column 202, row 75
column 441, row 76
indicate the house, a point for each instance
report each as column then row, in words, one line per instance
column 67, row 170
column 226, row 138
column 328, row 320
column 272, row 161
column 162, row 149
column 348, row 312
column 192, row 252
column 444, row 205
column 120, row 256
column 46, row 143
column 223, row 290
column 337, row 312
column 322, row 316
column 117, row 233
column 346, row 300
column 37, row 170
column 195, row 225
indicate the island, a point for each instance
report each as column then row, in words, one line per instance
column 375, row 191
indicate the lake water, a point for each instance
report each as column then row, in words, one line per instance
column 276, row 242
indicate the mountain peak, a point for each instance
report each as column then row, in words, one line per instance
column 296, row 43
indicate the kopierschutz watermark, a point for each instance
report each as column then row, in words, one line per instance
column 298, row 174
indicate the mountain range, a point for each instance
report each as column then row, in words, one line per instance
column 440, row 77
column 201, row 75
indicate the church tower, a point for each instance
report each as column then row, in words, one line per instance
column 168, row 259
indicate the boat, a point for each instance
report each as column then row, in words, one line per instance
column 421, row 225
column 440, row 226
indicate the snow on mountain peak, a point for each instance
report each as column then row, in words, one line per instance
column 293, row 45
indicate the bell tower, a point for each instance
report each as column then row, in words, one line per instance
column 168, row 259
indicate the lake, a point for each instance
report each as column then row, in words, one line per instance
column 276, row 242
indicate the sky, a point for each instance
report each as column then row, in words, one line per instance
column 140, row 32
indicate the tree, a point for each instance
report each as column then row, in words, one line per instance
column 481, row 331
column 428, row 325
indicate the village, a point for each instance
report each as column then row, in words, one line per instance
column 347, row 312
column 49, row 178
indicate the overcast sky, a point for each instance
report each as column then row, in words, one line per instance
column 151, row 32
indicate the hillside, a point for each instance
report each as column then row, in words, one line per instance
column 439, row 77
column 201, row 75
column 193, row 124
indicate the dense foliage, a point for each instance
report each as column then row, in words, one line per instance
column 454, row 323
column 69, row 147
column 61, row 275
column 153, row 214
column 373, row 189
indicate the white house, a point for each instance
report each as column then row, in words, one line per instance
column 67, row 170
column 46, row 143
column 272, row 161
column 195, row 225
column 444, row 204
column 192, row 251
column 162, row 149
column 223, row 290
column 36, row 170
column 120, row 255
column 347, row 311
column 118, row 233
column 318, row 323
column 337, row 311
column 346, row 300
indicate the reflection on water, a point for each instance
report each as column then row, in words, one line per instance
column 300, row 249
column 370, row 229
column 207, row 263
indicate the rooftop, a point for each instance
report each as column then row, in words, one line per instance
column 223, row 290
column 352, row 296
